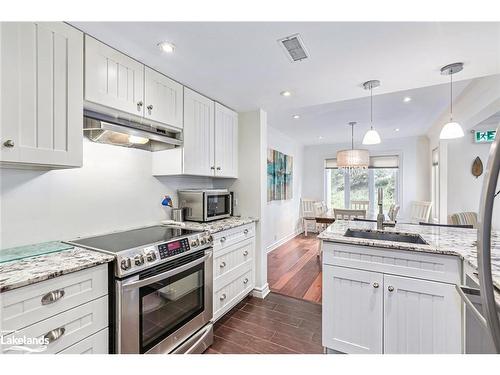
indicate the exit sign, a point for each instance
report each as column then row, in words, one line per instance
column 484, row 136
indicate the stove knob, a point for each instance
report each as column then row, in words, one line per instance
column 195, row 243
column 210, row 238
column 203, row 240
column 125, row 264
column 139, row 260
column 151, row 256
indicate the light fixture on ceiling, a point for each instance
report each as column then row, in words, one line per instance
column 371, row 137
column 353, row 160
column 166, row 47
column 407, row 99
column 285, row 93
column 296, row 117
column 396, row 130
column 451, row 130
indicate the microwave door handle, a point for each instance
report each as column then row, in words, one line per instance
column 139, row 283
column 484, row 241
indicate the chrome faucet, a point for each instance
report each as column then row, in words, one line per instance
column 380, row 216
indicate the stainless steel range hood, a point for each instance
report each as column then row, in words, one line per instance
column 117, row 131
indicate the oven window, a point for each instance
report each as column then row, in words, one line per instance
column 218, row 205
column 170, row 303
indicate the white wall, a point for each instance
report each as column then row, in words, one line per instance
column 414, row 174
column 283, row 217
column 113, row 190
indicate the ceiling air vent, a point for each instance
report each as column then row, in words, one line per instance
column 294, row 47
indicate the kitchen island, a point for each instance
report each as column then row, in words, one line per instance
column 390, row 296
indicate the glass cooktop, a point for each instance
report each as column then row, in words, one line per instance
column 119, row 241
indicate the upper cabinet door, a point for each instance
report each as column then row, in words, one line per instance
column 421, row 317
column 353, row 325
column 198, row 134
column 163, row 99
column 41, row 94
column 113, row 79
column 226, row 142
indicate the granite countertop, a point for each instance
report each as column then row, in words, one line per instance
column 441, row 240
column 22, row 272
column 218, row 225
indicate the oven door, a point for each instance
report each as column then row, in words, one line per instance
column 217, row 205
column 158, row 309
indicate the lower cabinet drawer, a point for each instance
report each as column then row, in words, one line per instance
column 229, row 237
column 64, row 329
column 95, row 344
column 229, row 295
column 231, row 257
column 30, row 304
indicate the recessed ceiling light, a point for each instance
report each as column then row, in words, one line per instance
column 407, row 99
column 296, row 116
column 166, row 47
column 285, row 93
column 396, row 130
column 320, row 137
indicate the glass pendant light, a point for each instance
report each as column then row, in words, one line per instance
column 371, row 137
column 353, row 160
column 452, row 129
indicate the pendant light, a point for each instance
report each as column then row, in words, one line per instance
column 371, row 137
column 352, row 160
column 452, row 129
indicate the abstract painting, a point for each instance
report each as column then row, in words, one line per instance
column 279, row 176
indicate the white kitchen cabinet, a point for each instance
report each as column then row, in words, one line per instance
column 226, row 142
column 421, row 317
column 198, row 149
column 163, row 99
column 113, row 79
column 353, row 325
column 390, row 301
column 41, row 94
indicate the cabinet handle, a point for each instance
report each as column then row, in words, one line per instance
column 222, row 265
column 245, row 253
column 150, row 108
column 245, row 281
column 212, row 168
column 9, row 143
column 139, row 106
column 375, row 285
column 218, row 168
column 245, row 231
column 52, row 297
column 390, row 288
column 55, row 334
column 223, row 239
column 223, row 297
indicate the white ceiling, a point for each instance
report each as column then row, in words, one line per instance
column 242, row 66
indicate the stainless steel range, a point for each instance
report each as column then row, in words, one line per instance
column 163, row 288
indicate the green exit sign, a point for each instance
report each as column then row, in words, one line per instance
column 484, row 136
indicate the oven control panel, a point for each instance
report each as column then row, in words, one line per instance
column 173, row 248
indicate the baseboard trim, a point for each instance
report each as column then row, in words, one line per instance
column 281, row 241
column 261, row 292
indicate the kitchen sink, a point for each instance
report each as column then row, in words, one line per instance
column 385, row 236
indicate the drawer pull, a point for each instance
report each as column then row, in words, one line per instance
column 375, row 285
column 245, row 231
column 222, row 265
column 53, row 296
column 55, row 334
column 245, row 253
column 223, row 297
column 245, row 281
column 223, row 239
column 390, row 288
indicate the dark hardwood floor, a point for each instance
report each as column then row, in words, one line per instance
column 275, row 325
column 293, row 269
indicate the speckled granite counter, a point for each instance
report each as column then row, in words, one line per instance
column 219, row 225
column 441, row 240
column 32, row 270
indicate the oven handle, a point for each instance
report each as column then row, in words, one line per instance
column 161, row 276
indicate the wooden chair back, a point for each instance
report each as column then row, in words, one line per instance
column 360, row 205
column 420, row 211
column 347, row 214
column 307, row 207
column 464, row 218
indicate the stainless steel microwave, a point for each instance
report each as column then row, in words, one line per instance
column 205, row 205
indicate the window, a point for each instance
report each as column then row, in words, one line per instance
column 342, row 188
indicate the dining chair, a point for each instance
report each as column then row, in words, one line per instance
column 348, row 214
column 360, row 205
column 393, row 212
column 307, row 213
column 320, row 208
column 464, row 218
column 420, row 211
